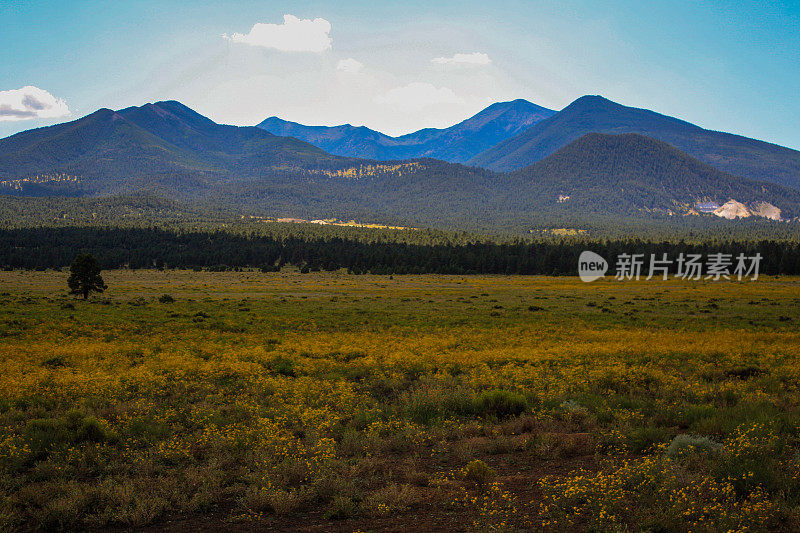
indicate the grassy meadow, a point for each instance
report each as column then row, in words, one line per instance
column 244, row 401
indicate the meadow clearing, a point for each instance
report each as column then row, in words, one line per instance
column 184, row 401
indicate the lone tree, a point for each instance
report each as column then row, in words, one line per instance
column 84, row 277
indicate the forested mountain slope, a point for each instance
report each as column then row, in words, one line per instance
column 147, row 146
column 735, row 154
column 629, row 173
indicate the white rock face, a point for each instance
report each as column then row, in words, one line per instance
column 732, row 209
column 766, row 210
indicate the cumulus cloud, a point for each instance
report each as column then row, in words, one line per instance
column 349, row 65
column 294, row 35
column 29, row 103
column 418, row 95
column 476, row 59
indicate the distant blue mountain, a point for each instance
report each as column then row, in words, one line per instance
column 456, row 144
column 741, row 156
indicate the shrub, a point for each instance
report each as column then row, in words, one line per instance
column 146, row 429
column 559, row 446
column 653, row 494
column 54, row 362
column 642, row 438
column 685, row 444
column 283, row 366
column 501, row 403
column 93, row 430
column 479, row 472
column 166, row 299
column 270, row 344
column 571, row 409
column 341, row 507
column 390, row 499
column 328, row 487
column 73, row 428
column 42, row 433
column 278, row 501
column 418, row 478
column 434, row 401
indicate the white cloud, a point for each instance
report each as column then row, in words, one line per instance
column 294, row 35
column 29, row 103
column 418, row 95
column 349, row 65
column 474, row 59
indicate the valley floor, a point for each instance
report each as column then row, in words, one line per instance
column 249, row 401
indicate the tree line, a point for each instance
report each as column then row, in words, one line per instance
column 45, row 248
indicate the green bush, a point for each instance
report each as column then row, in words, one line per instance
column 92, row 430
column 341, row 507
column 283, row 366
column 479, row 472
column 54, row 362
column 685, row 444
column 389, row 500
column 572, row 411
column 146, row 429
column 501, row 403
column 642, row 438
column 433, row 401
column 43, row 434
column 276, row 501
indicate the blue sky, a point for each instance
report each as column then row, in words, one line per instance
column 400, row 66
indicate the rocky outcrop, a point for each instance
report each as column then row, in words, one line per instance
column 734, row 209
column 766, row 210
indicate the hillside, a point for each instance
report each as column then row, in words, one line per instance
column 155, row 145
column 455, row 144
column 631, row 173
column 735, row 154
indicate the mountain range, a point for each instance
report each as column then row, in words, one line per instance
column 113, row 151
column 558, row 166
column 735, row 154
column 508, row 136
column 456, row 144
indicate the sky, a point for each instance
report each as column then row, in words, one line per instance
column 400, row 66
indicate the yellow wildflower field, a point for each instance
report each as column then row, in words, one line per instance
column 325, row 401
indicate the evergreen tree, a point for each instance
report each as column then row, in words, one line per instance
column 84, row 277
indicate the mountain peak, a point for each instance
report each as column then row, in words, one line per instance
column 103, row 112
column 592, row 102
column 455, row 144
column 737, row 155
column 593, row 98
